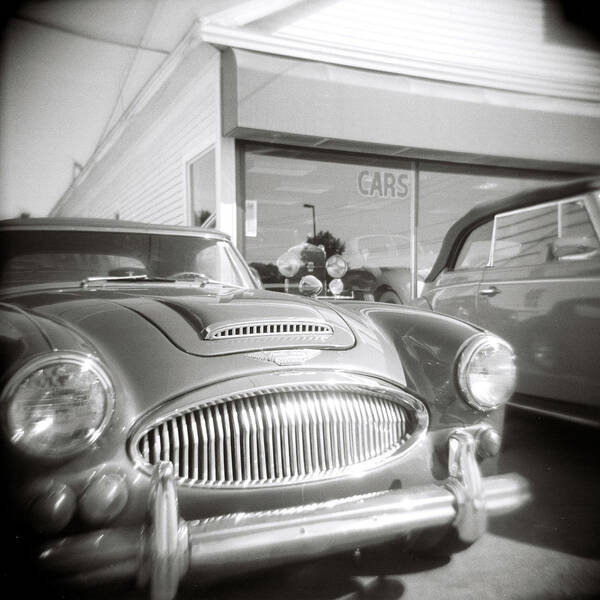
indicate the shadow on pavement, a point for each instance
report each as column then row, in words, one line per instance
column 375, row 575
column 560, row 460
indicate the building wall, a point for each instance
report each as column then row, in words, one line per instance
column 469, row 82
column 140, row 171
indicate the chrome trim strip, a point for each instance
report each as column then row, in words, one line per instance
column 549, row 280
column 150, row 230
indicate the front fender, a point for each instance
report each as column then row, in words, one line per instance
column 428, row 345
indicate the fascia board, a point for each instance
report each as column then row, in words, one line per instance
column 238, row 37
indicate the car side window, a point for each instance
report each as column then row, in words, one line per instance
column 525, row 237
column 558, row 232
column 475, row 251
column 576, row 226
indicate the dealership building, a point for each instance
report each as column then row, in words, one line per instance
column 380, row 122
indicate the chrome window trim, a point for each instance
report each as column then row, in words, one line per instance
column 588, row 206
column 118, row 229
column 592, row 203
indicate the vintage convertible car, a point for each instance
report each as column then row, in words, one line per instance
column 527, row 268
column 165, row 421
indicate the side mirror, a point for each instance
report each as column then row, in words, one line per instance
column 571, row 249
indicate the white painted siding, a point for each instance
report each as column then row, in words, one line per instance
column 142, row 176
column 508, row 44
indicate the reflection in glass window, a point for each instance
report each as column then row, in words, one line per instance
column 71, row 256
column 525, row 237
column 475, row 252
column 575, row 222
column 354, row 206
column 202, row 186
column 447, row 192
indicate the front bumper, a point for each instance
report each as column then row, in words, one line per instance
column 167, row 548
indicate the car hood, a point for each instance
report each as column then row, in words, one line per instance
column 204, row 323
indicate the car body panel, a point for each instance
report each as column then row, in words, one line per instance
column 553, row 323
column 549, row 312
column 359, row 399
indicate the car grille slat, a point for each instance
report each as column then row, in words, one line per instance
column 278, row 435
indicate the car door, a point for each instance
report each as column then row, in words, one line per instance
column 541, row 292
column 455, row 290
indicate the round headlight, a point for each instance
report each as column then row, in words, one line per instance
column 336, row 266
column 57, row 404
column 487, row 373
column 288, row 264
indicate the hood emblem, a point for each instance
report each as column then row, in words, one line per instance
column 286, row 358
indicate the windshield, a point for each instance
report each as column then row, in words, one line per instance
column 32, row 256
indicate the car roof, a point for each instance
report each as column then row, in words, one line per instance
column 113, row 225
column 485, row 212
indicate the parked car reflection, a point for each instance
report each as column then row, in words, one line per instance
column 528, row 269
column 384, row 260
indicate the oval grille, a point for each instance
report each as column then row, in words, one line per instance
column 279, row 435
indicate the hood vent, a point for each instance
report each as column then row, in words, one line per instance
column 267, row 328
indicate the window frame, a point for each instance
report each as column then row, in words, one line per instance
column 464, row 243
column 587, row 201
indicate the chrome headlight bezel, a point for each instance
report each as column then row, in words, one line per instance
column 466, row 354
column 84, row 361
column 336, row 266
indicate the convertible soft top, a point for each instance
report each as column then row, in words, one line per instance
column 486, row 211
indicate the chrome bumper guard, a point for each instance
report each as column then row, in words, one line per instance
column 167, row 548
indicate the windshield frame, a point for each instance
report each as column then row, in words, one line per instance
column 244, row 277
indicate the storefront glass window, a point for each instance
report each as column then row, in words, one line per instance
column 360, row 206
column 355, row 206
column 447, row 192
column 202, row 188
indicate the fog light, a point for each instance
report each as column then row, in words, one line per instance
column 53, row 510
column 336, row 286
column 488, row 443
column 103, row 499
column 309, row 285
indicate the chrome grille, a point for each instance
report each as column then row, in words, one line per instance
column 239, row 330
column 279, row 435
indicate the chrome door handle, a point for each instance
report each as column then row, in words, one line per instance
column 491, row 290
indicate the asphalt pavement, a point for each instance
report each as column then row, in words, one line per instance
column 550, row 549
